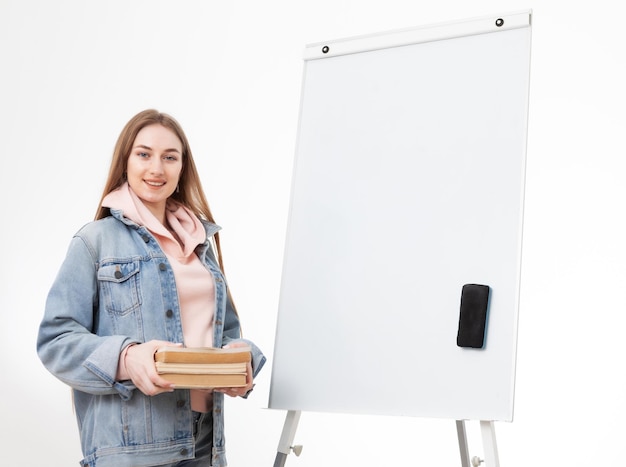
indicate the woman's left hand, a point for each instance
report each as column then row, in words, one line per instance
column 243, row 390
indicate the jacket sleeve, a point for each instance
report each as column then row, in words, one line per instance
column 66, row 342
column 232, row 332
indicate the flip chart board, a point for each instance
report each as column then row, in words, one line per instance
column 408, row 183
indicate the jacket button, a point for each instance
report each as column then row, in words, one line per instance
column 145, row 238
column 169, row 313
column 118, row 274
column 162, row 267
column 183, row 452
column 180, row 403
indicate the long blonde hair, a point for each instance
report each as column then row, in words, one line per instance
column 189, row 192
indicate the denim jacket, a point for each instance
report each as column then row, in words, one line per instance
column 116, row 287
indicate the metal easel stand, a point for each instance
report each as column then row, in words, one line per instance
column 487, row 428
column 285, row 445
column 488, row 432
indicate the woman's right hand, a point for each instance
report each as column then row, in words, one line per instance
column 141, row 369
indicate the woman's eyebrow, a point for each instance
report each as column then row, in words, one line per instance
column 143, row 146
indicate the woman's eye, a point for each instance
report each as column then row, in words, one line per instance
column 171, row 158
column 142, row 154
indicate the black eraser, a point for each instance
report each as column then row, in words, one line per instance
column 473, row 316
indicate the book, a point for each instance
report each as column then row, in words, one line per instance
column 205, row 381
column 170, row 354
column 203, row 367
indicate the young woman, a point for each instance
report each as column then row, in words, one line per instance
column 146, row 273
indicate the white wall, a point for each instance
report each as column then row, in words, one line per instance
column 73, row 72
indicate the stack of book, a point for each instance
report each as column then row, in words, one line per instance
column 203, row 367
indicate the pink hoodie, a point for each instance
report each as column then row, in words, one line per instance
column 194, row 282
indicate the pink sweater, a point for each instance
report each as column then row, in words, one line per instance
column 194, row 282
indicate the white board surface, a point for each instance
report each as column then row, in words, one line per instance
column 408, row 183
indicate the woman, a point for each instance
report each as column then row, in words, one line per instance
column 143, row 275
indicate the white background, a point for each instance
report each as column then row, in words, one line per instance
column 74, row 71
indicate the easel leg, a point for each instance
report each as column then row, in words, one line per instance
column 463, row 448
column 286, row 439
column 489, row 444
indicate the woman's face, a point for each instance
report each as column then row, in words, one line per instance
column 154, row 167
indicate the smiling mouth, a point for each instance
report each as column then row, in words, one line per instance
column 155, row 184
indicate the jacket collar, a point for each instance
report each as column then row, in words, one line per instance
column 210, row 228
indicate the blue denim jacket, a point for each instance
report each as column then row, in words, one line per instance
column 116, row 287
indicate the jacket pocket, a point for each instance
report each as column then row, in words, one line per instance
column 120, row 287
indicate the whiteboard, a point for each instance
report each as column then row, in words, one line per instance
column 408, row 183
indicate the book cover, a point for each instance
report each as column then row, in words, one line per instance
column 202, row 355
column 205, row 381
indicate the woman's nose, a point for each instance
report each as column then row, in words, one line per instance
column 156, row 165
